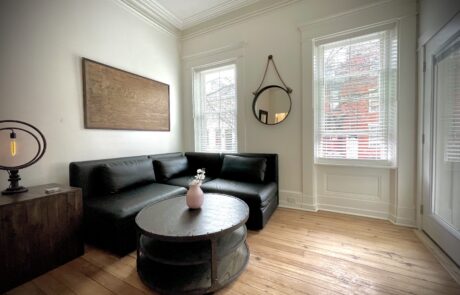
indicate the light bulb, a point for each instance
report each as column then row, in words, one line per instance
column 13, row 143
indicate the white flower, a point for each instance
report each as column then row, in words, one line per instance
column 199, row 177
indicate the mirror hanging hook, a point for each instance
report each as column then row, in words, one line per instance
column 271, row 59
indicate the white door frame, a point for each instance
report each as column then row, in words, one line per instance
column 444, row 235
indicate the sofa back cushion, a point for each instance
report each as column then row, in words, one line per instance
column 116, row 176
column 248, row 169
column 211, row 162
column 170, row 167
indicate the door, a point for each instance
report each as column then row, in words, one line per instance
column 441, row 150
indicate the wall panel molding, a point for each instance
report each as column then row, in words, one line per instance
column 352, row 186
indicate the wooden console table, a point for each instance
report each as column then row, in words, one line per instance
column 183, row 251
column 38, row 232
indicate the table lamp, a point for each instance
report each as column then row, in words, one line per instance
column 21, row 145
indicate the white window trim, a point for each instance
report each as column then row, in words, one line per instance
column 197, row 92
column 392, row 24
column 232, row 53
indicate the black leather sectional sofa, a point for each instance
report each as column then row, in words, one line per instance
column 115, row 190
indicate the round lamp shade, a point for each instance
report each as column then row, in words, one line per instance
column 21, row 145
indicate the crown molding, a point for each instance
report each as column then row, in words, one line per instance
column 214, row 12
column 154, row 14
column 243, row 14
column 232, row 12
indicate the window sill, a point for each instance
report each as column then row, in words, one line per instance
column 355, row 164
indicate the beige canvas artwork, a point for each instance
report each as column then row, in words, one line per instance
column 116, row 99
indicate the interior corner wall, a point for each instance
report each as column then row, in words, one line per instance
column 433, row 15
column 301, row 181
column 41, row 46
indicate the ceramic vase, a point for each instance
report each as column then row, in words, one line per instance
column 194, row 197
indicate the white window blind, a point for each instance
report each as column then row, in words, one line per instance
column 355, row 99
column 215, row 110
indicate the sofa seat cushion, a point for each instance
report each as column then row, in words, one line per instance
column 256, row 195
column 184, row 181
column 130, row 202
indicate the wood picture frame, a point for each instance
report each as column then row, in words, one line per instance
column 120, row 100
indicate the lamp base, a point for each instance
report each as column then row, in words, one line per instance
column 18, row 190
column 14, row 188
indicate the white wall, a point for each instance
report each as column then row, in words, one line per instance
column 41, row 45
column 434, row 14
column 390, row 194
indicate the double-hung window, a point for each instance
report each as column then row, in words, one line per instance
column 215, row 109
column 355, row 99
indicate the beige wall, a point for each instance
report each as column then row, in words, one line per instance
column 41, row 45
column 302, row 183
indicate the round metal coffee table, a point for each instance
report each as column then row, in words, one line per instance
column 192, row 251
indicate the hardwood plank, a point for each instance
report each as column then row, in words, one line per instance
column 104, row 278
column 123, row 268
column 345, row 272
column 325, row 271
column 311, row 278
column 391, row 262
column 78, row 282
column 417, row 251
column 296, row 253
column 245, row 289
column 278, row 281
column 28, row 288
column 50, row 286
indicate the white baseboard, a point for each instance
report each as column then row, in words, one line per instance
column 403, row 221
column 299, row 201
column 354, row 211
column 404, row 216
column 309, row 208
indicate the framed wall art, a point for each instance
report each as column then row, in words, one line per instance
column 116, row 99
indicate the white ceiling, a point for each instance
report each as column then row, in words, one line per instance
column 179, row 15
column 191, row 11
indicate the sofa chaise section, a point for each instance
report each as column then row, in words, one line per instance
column 114, row 191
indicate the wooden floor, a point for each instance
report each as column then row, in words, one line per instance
column 297, row 253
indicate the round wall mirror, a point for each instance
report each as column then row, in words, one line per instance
column 271, row 105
